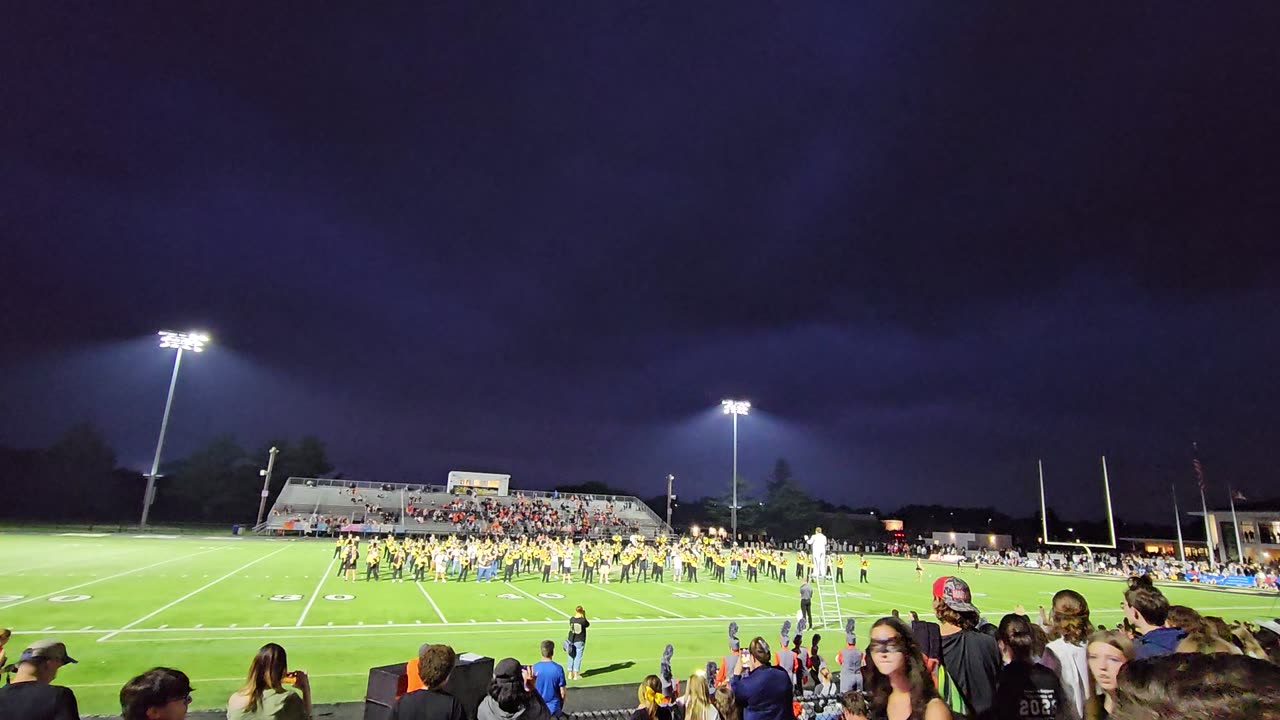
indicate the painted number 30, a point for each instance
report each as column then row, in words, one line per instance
column 286, row 598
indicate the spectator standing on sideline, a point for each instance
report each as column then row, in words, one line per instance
column 1146, row 608
column 1026, row 690
column 578, row 625
column 1192, row 686
column 1108, row 652
column 264, row 694
column 971, row 659
column 157, row 694
column 30, row 695
column 549, row 679
column 1069, row 629
column 509, row 697
column 900, row 685
column 766, row 691
column 806, row 601
column 431, row 703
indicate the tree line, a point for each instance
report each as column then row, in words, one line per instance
column 78, row 479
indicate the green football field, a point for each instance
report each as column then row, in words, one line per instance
column 123, row 604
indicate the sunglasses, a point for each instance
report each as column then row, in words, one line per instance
column 885, row 646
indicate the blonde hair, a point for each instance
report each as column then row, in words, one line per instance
column 648, row 692
column 697, row 699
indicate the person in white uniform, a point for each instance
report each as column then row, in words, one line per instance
column 818, row 542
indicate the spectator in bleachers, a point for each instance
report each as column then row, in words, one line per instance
column 431, row 703
column 763, row 689
column 31, row 694
column 413, row 678
column 697, row 700
column 158, row 694
column 854, row 706
column 264, row 694
column 5, row 635
column 509, row 696
column 971, row 658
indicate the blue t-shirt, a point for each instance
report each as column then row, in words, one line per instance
column 548, row 678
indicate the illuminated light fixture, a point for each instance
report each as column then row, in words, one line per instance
column 193, row 341
column 735, row 407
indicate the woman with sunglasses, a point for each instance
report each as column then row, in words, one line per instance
column 157, row 694
column 901, row 687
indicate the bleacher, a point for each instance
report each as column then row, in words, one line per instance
column 322, row 506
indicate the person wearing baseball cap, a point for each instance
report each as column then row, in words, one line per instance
column 30, row 694
column 971, row 658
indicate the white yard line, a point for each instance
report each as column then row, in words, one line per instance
column 536, row 599
column 463, row 629
column 109, row 577
column 315, row 593
column 624, row 597
column 200, row 589
column 433, row 602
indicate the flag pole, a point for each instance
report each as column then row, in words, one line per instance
column 1231, row 494
column 1198, row 470
column 1177, row 520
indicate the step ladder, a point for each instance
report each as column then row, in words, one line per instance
column 828, row 600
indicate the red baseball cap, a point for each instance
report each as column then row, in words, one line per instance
column 954, row 593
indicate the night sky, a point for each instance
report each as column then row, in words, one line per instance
column 931, row 242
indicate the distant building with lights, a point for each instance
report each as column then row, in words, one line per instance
column 1259, row 531
column 973, row 541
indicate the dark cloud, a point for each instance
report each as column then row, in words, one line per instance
column 934, row 242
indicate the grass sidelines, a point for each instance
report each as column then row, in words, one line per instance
column 205, row 604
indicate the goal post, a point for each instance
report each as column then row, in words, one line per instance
column 1111, row 523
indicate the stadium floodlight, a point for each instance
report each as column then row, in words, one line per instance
column 735, row 408
column 194, row 342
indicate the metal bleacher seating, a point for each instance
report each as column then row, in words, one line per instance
column 304, row 504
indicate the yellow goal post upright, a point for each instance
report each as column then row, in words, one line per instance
column 1087, row 547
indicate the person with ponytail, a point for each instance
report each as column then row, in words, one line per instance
column 1026, row 689
column 653, row 705
column 1069, row 628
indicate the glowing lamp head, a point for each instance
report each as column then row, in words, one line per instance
column 735, row 407
column 193, row 341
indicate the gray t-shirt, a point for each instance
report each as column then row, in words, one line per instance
column 806, row 592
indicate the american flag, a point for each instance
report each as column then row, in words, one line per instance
column 1197, row 470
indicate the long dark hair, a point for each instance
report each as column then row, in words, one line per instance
column 266, row 671
column 922, row 689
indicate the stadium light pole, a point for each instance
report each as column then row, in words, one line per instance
column 735, row 408
column 266, row 483
column 670, row 480
column 194, row 342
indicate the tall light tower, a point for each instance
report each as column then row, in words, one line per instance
column 735, row 408
column 194, row 342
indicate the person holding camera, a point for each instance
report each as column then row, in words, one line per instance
column 763, row 690
column 264, row 694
